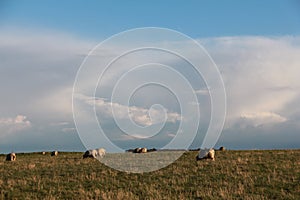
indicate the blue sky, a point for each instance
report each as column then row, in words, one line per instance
column 255, row 44
column 100, row 19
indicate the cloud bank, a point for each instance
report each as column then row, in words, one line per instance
column 260, row 76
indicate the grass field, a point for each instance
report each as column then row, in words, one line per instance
column 234, row 175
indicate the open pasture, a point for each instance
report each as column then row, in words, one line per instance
column 256, row 174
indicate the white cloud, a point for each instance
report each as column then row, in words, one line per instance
column 171, row 135
column 141, row 116
column 260, row 74
column 202, row 92
column 18, row 120
column 63, row 123
column 12, row 125
column 260, row 118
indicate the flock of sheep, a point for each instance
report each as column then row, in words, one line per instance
column 95, row 153
column 141, row 150
column 13, row 157
column 100, row 153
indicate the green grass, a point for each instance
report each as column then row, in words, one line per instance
column 234, row 175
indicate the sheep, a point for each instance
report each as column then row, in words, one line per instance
column 140, row 150
column 87, row 154
column 11, row 157
column 137, row 150
column 151, row 150
column 143, row 150
column 43, row 153
column 206, row 154
column 101, row 152
column 222, row 148
column 94, row 153
column 91, row 153
column 211, row 154
column 54, row 153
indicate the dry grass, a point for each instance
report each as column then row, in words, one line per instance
column 234, row 175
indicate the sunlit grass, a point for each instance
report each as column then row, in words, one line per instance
column 234, row 175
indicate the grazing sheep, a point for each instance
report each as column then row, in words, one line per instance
column 11, row 157
column 222, row 148
column 140, row 150
column 143, row 150
column 137, row 150
column 206, row 154
column 54, row 153
column 211, row 154
column 87, row 154
column 151, row 150
column 43, row 153
column 101, row 152
column 130, row 150
column 94, row 153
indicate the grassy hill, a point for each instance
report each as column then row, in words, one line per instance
column 234, row 175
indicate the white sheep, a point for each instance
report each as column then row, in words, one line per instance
column 94, row 153
column 144, row 150
column 11, row 157
column 54, row 153
column 206, row 153
column 101, row 152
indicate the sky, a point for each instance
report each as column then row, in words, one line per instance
column 255, row 44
